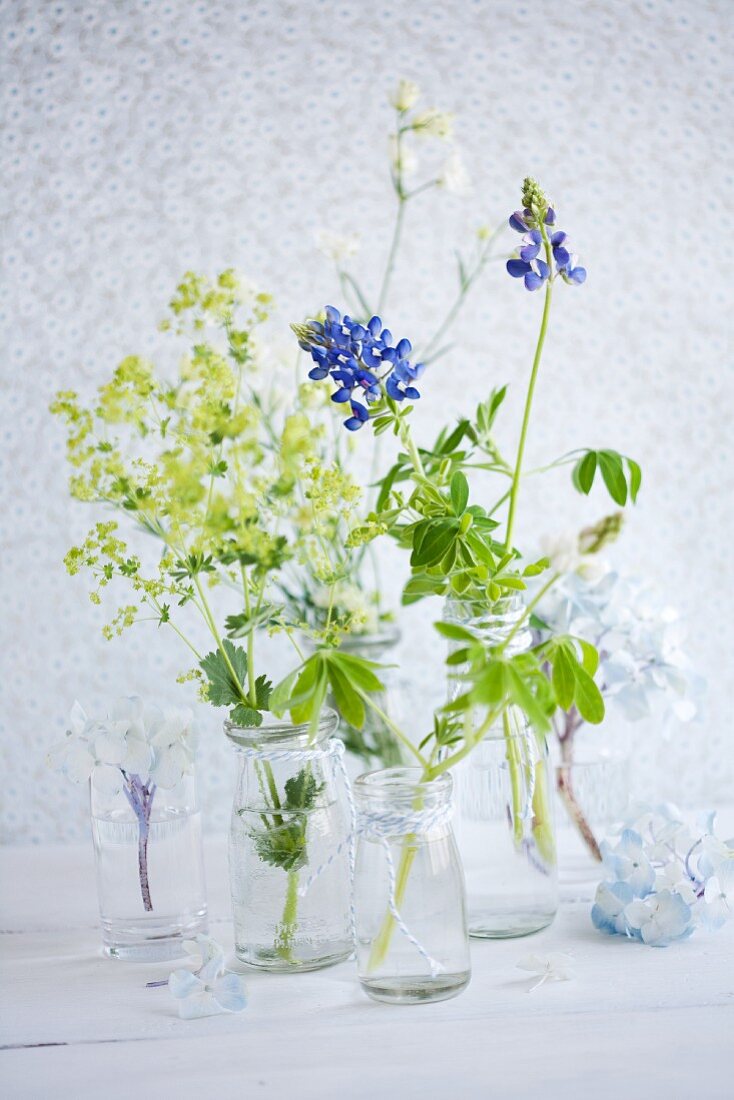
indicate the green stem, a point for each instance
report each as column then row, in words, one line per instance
column 395, row 729
column 514, row 764
column 529, row 400
column 528, row 610
column 252, row 690
column 286, row 933
column 394, row 245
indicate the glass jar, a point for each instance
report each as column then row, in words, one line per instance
column 593, row 784
column 503, row 797
column 375, row 745
column 289, row 820
column 149, row 864
column 412, row 942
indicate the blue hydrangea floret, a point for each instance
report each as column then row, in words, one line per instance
column 664, row 879
column 361, row 360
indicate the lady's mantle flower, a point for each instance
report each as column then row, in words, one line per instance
column 361, row 360
column 210, row 989
column 533, row 221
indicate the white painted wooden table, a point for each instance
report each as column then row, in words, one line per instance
column 635, row 1024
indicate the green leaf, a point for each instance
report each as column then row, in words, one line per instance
column 301, row 790
column 224, row 689
column 454, row 632
column 263, row 691
column 435, row 542
column 348, row 702
column 358, row 670
column 584, row 472
column 244, row 715
column 281, row 693
column 564, row 680
column 459, row 492
column 612, row 471
column 635, row 478
column 588, row 697
column 452, row 441
column 536, row 567
column 589, row 656
column 525, row 699
column 491, row 687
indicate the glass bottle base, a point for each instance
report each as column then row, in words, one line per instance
column 269, row 959
column 507, row 926
column 151, row 941
column 418, row 989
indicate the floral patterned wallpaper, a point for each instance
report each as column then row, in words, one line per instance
column 144, row 137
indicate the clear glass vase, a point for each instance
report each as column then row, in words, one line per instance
column 289, row 820
column 593, row 784
column 504, row 804
column 149, row 865
column 412, row 942
column 375, row 745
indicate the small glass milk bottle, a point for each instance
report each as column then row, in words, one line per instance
column 289, row 820
column 412, row 943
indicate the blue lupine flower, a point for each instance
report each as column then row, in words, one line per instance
column 571, row 272
column 531, row 222
column 534, row 273
column 559, row 243
column 628, row 863
column 361, row 360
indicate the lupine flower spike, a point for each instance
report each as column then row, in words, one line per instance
column 361, row 360
column 536, row 221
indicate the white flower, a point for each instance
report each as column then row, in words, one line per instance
column 433, row 123
column 402, row 157
column 90, row 745
column 562, row 551
column 210, row 989
column 454, row 177
column 174, row 748
column 405, row 95
column 643, row 663
column 136, row 739
column 336, row 246
column 555, row 967
column 660, row 918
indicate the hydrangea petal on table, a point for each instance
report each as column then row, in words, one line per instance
column 210, row 989
column 666, row 880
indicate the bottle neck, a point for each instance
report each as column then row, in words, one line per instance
column 492, row 623
column 276, row 735
column 400, row 790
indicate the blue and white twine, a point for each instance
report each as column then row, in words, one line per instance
column 371, row 825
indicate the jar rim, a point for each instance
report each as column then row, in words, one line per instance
column 401, row 780
column 273, row 729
